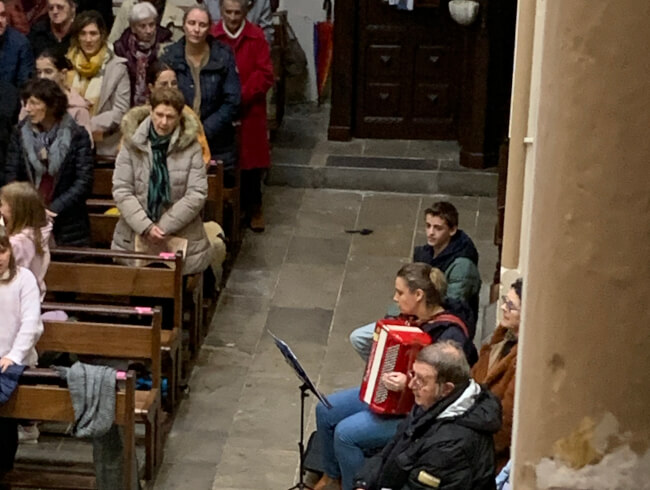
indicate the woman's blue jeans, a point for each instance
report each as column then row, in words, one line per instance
column 347, row 430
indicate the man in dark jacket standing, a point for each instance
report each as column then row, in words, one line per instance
column 53, row 30
column 16, row 59
column 446, row 441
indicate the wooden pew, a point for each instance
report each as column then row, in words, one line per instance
column 97, row 278
column 114, row 332
column 46, row 398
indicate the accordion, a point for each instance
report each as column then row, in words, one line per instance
column 395, row 346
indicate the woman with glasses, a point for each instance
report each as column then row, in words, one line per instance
column 349, row 429
column 496, row 367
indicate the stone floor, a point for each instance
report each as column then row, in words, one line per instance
column 309, row 282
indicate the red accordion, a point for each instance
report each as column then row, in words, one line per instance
column 395, row 346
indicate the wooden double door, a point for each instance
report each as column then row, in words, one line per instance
column 408, row 69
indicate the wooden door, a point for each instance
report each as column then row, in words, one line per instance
column 408, row 72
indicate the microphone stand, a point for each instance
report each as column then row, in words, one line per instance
column 301, row 485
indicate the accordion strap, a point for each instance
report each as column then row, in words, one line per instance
column 448, row 317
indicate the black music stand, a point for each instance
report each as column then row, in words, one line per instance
column 307, row 385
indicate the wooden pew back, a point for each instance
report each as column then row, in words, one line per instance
column 86, row 276
column 47, row 400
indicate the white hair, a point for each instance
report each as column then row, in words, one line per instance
column 142, row 11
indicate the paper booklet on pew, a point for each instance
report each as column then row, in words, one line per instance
column 293, row 361
column 171, row 244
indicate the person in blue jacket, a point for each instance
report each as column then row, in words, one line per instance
column 16, row 58
column 207, row 77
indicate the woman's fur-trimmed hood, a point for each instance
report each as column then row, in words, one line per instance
column 135, row 129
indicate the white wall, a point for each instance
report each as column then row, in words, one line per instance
column 303, row 14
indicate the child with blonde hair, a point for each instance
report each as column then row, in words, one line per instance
column 20, row 329
column 29, row 228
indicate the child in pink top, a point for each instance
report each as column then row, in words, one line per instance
column 29, row 228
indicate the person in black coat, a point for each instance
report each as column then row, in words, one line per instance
column 53, row 31
column 446, row 441
column 8, row 116
column 52, row 152
column 217, row 104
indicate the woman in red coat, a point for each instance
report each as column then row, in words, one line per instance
column 253, row 58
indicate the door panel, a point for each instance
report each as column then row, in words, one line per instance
column 407, row 72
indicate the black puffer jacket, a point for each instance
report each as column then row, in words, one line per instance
column 454, row 451
column 72, row 184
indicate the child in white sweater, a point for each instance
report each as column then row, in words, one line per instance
column 29, row 228
column 20, row 329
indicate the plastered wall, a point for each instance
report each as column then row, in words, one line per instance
column 582, row 401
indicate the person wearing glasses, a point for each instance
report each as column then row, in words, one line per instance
column 497, row 364
column 349, row 430
column 53, row 30
column 445, row 442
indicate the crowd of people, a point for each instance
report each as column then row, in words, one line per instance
column 160, row 93
column 457, row 434
column 214, row 54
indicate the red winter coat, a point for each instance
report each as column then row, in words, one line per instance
column 253, row 58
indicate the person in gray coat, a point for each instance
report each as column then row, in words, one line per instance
column 159, row 182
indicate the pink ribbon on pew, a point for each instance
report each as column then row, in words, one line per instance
column 166, row 255
column 120, row 376
column 143, row 310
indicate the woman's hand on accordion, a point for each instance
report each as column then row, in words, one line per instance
column 394, row 381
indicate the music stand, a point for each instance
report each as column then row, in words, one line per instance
column 307, row 385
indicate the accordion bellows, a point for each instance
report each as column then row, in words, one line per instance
column 395, row 347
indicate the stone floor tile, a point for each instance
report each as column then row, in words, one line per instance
column 469, row 183
column 196, row 446
column 308, row 286
column 296, row 156
column 299, row 324
column 318, row 251
column 185, row 475
column 379, row 147
column 384, row 241
column 252, row 282
column 388, row 209
column 261, row 469
column 353, row 147
column 281, row 205
column 263, row 250
column 252, row 427
column 424, row 149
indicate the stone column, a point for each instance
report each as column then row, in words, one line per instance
column 583, row 397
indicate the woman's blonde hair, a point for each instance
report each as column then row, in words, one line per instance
column 5, row 244
column 430, row 280
column 27, row 210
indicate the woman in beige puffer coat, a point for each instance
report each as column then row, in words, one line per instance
column 187, row 182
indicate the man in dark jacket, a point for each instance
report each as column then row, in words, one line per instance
column 16, row 59
column 452, row 251
column 53, row 31
column 8, row 117
column 446, row 441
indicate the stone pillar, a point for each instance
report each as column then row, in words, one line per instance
column 583, row 397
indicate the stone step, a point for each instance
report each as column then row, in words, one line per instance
column 433, row 174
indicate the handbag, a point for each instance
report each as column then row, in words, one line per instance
column 295, row 59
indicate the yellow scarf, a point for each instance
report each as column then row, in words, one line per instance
column 86, row 78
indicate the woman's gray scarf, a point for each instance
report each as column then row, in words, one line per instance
column 57, row 150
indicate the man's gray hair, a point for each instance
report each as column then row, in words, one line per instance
column 244, row 4
column 142, row 11
column 449, row 361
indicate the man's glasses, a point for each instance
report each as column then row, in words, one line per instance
column 510, row 306
column 416, row 380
